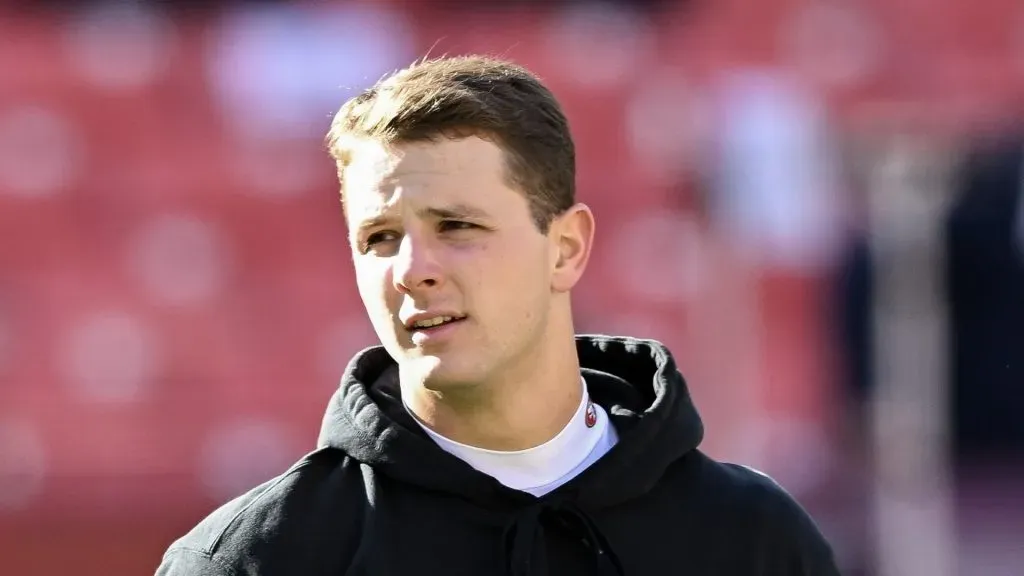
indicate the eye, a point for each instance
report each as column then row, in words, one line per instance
column 450, row 225
column 377, row 238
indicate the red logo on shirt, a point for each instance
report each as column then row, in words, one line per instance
column 591, row 418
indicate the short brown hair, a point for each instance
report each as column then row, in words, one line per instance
column 463, row 96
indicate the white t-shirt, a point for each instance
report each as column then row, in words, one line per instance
column 586, row 438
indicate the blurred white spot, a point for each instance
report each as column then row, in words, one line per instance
column 23, row 464
column 775, row 176
column 111, row 357
column 179, row 259
column 280, row 71
column 660, row 257
column 600, row 45
column 38, row 152
column 120, row 45
column 832, row 43
column 341, row 342
column 665, row 122
column 277, row 172
column 241, row 454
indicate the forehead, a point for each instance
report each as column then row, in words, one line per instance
column 381, row 177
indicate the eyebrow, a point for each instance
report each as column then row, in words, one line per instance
column 454, row 211
column 448, row 212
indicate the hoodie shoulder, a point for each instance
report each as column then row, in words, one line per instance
column 264, row 524
column 788, row 541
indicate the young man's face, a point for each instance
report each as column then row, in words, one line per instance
column 438, row 237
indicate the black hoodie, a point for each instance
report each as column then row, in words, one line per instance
column 380, row 498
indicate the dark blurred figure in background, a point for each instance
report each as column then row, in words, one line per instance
column 984, row 283
column 985, row 292
column 985, row 247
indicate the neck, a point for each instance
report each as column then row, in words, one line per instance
column 529, row 404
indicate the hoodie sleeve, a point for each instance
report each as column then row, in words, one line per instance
column 189, row 562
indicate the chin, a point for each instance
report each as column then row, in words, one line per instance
column 438, row 374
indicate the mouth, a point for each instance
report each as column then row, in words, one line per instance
column 433, row 324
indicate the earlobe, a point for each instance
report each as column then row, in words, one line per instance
column 573, row 234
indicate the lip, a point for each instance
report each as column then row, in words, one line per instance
column 435, row 334
column 410, row 320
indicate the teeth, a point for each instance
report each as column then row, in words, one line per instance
column 432, row 322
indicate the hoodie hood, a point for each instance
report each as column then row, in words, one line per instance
column 635, row 380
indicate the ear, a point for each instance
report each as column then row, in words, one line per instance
column 571, row 235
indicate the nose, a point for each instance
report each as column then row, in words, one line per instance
column 415, row 265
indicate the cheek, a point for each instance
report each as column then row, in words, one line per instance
column 519, row 276
column 374, row 289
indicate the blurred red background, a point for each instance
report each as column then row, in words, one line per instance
column 176, row 300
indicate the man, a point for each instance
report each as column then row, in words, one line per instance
column 483, row 437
